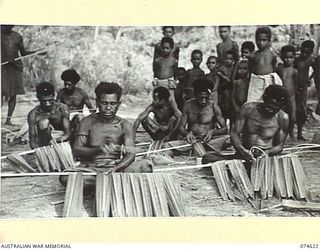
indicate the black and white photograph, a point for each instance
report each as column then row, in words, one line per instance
column 160, row 121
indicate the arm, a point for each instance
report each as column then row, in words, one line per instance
column 88, row 103
column 128, row 142
column 234, row 92
column 236, row 49
column 177, row 114
column 59, row 96
column 237, row 130
column 220, row 120
column 154, row 67
column 140, row 118
column 175, row 68
column 274, row 63
column 32, row 131
column 66, row 124
column 81, row 148
column 281, row 135
column 21, row 48
column 184, row 119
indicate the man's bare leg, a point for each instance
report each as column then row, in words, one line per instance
column 11, row 106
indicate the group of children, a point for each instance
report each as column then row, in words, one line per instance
column 237, row 79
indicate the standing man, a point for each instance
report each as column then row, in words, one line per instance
column 11, row 73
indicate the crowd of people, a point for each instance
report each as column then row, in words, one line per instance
column 246, row 100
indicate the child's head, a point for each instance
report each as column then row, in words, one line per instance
column 196, row 58
column 307, row 48
column 212, row 63
column 160, row 96
column 288, row 54
column 224, row 32
column 167, row 45
column 243, row 69
column 231, row 57
column 168, row 31
column 263, row 37
column 181, row 73
column 246, row 49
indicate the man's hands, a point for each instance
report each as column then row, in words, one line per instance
column 110, row 147
column 208, row 135
column 246, row 155
column 190, row 137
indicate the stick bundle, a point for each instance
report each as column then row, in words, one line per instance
column 55, row 158
column 137, row 195
column 225, row 181
column 282, row 175
column 74, row 196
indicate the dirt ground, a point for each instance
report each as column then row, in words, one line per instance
column 42, row 197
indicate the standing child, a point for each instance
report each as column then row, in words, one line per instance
column 193, row 74
column 316, row 75
column 226, row 75
column 167, row 31
column 247, row 48
column 178, row 93
column 288, row 75
column 212, row 75
column 164, row 67
column 303, row 64
column 226, row 44
column 262, row 65
column 240, row 86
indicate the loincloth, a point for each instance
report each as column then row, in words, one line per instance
column 154, row 126
column 258, row 83
column 167, row 83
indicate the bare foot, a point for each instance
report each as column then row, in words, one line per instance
column 8, row 122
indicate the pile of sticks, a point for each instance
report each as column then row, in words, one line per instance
column 279, row 175
column 138, row 195
column 54, row 158
column 237, row 185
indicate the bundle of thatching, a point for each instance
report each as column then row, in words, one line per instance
column 73, row 200
column 235, row 185
column 282, row 175
column 138, row 195
column 54, row 158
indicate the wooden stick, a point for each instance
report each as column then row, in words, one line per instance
column 162, row 150
column 42, row 174
column 20, row 153
column 300, row 205
column 35, row 196
column 26, row 56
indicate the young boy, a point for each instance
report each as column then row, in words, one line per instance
column 262, row 65
column 226, row 44
column 288, row 75
column 193, row 74
column 212, row 75
column 164, row 67
column 316, row 75
column 167, row 31
column 166, row 117
column 226, row 75
column 303, row 64
column 240, row 86
column 178, row 94
column 247, row 48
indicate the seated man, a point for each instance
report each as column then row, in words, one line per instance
column 75, row 98
column 199, row 121
column 260, row 124
column 166, row 117
column 71, row 95
column 49, row 120
column 101, row 135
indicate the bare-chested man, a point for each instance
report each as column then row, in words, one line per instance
column 166, row 118
column 199, row 121
column 262, row 65
column 49, row 120
column 71, row 95
column 75, row 98
column 167, row 31
column 164, row 68
column 260, row 124
column 101, row 135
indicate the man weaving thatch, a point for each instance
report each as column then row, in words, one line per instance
column 101, row 135
column 260, row 125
